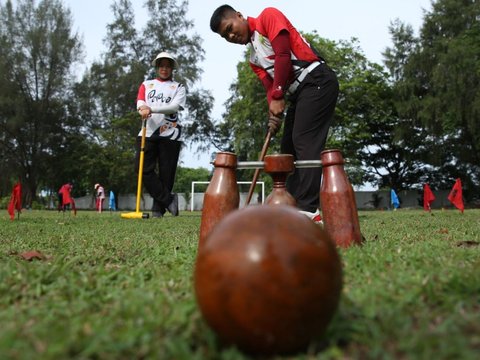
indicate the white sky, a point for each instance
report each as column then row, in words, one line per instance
column 366, row 20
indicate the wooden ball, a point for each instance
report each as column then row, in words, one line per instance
column 268, row 279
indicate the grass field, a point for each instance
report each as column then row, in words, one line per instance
column 112, row 288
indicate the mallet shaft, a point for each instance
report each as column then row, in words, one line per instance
column 257, row 170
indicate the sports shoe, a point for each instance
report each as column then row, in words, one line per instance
column 173, row 206
column 314, row 216
column 318, row 219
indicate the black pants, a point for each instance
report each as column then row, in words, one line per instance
column 60, row 202
column 307, row 122
column 159, row 169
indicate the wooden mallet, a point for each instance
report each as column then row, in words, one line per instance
column 262, row 156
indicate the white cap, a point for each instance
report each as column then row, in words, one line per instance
column 165, row 55
column 96, row 186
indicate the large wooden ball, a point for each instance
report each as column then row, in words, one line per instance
column 268, row 279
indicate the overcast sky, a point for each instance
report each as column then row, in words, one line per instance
column 366, row 20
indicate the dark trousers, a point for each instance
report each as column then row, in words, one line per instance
column 307, row 122
column 159, row 169
column 60, row 202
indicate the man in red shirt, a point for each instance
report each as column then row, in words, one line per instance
column 290, row 70
column 64, row 196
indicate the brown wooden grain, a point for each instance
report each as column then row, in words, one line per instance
column 279, row 166
column 339, row 209
column 268, row 279
column 221, row 196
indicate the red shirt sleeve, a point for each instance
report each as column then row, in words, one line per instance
column 273, row 22
column 141, row 93
column 261, row 73
column 275, row 26
column 265, row 78
column 283, row 63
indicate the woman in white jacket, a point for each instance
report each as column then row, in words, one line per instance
column 159, row 100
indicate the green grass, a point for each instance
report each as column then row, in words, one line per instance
column 113, row 288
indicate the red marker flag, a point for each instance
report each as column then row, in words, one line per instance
column 455, row 196
column 428, row 197
column 15, row 200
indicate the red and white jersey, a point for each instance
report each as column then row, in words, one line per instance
column 264, row 29
column 165, row 98
column 100, row 192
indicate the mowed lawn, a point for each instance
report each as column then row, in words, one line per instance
column 112, row 288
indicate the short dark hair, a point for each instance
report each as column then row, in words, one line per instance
column 218, row 15
column 157, row 63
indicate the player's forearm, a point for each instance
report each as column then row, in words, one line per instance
column 283, row 64
column 166, row 109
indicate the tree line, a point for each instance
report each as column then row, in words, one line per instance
column 411, row 120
